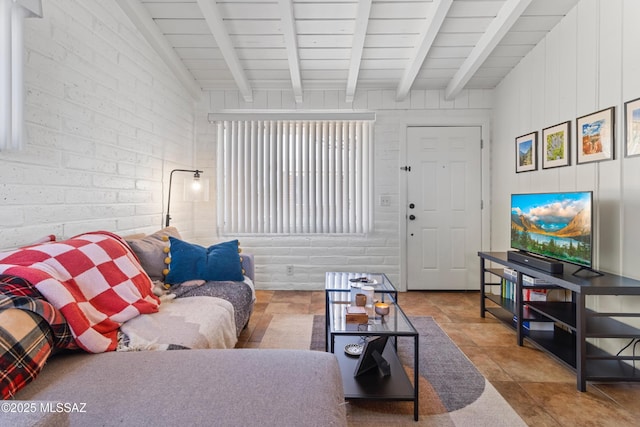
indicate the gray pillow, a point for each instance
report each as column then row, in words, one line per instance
column 151, row 251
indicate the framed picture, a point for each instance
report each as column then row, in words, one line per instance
column 556, row 141
column 632, row 128
column 526, row 152
column 371, row 352
column 595, row 139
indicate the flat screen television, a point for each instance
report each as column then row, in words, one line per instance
column 554, row 225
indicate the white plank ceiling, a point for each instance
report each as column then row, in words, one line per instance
column 302, row 45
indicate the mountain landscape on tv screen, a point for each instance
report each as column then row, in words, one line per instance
column 559, row 228
column 580, row 225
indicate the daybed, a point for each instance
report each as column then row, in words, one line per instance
column 188, row 387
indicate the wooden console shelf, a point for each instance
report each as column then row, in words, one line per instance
column 573, row 322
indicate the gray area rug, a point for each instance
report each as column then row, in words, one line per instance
column 453, row 377
column 452, row 391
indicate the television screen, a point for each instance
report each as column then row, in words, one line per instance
column 555, row 225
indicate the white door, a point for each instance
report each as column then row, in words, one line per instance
column 443, row 207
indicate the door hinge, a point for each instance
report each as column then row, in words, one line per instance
column 406, row 168
column 481, row 144
column 481, row 204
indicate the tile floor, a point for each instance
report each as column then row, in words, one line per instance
column 539, row 388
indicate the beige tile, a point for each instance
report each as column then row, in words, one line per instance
column 287, row 308
column 569, row 407
column 291, row 331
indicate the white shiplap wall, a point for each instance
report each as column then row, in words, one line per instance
column 312, row 256
column 589, row 62
column 586, row 64
column 105, row 122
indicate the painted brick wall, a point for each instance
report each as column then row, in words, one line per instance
column 106, row 122
column 312, row 256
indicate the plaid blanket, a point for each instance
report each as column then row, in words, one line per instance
column 25, row 345
column 15, row 292
column 93, row 279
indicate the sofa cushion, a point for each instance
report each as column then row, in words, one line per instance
column 240, row 387
column 220, row 262
column 25, row 345
column 152, row 250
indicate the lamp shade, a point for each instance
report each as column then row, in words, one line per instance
column 196, row 190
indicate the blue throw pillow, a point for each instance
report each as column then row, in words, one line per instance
column 219, row 262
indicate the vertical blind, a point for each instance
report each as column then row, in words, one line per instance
column 295, row 176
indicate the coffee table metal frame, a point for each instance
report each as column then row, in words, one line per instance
column 370, row 386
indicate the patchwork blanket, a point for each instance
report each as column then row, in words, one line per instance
column 195, row 323
column 93, row 279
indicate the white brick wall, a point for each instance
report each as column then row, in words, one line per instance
column 312, row 256
column 106, row 122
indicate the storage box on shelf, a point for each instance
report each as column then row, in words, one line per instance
column 573, row 323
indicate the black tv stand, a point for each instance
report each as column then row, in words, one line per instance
column 594, row 273
column 573, row 339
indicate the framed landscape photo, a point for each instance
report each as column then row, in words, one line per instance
column 594, row 136
column 632, row 128
column 556, row 141
column 526, row 152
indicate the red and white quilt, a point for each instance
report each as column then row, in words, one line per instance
column 93, row 279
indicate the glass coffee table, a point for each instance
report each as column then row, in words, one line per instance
column 341, row 335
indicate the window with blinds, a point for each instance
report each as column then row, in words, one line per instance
column 295, row 177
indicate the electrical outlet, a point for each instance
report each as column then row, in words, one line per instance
column 289, row 270
column 385, row 200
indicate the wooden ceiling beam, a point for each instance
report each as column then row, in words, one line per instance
column 216, row 25
column 291, row 43
column 359, row 34
column 143, row 21
column 507, row 16
column 434, row 20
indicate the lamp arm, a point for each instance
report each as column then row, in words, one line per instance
column 168, row 217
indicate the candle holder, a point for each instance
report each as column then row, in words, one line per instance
column 381, row 308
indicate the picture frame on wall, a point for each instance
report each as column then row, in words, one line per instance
column 595, row 136
column 527, row 152
column 556, row 143
column 632, row 128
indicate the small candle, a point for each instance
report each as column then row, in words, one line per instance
column 382, row 308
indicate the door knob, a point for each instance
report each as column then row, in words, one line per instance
column 412, row 217
column 411, row 206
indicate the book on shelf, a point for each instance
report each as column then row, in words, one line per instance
column 511, row 273
column 538, row 326
column 534, row 295
column 508, row 289
column 532, row 281
column 509, row 292
column 532, row 325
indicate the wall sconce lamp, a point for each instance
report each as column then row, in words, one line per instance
column 196, row 185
